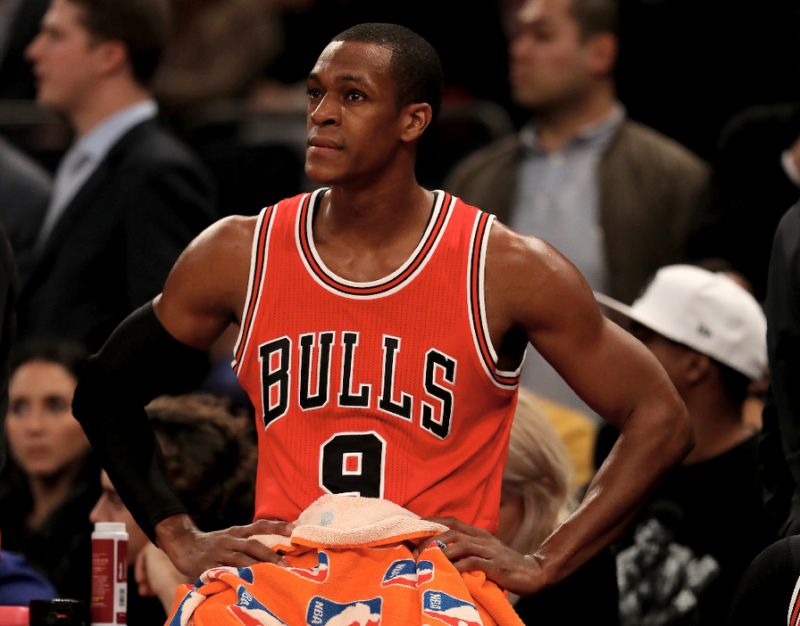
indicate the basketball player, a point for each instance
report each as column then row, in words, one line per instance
column 382, row 328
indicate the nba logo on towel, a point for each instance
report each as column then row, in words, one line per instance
column 318, row 573
column 324, row 612
column 183, row 614
column 246, row 574
column 408, row 573
column 251, row 612
column 424, row 572
column 450, row 610
column 216, row 573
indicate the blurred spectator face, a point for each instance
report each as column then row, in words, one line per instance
column 109, row 508
column 66, row 60
column 550, row 64
column 43, row 436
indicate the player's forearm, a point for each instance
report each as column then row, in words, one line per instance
column 653, row 441
column 125, row 446
column 138, row 362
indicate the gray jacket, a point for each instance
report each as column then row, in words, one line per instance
column 650, row 186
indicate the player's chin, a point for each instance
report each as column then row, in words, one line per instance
column 321, row 174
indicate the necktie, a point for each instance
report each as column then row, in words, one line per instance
column 64, row 189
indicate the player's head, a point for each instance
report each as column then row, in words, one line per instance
column 83, row 43
column 415, row 64
column 372, row 93
column 562, row 50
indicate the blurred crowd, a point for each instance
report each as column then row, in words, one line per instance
column 656, row 143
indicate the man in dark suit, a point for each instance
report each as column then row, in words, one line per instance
column 127, row 196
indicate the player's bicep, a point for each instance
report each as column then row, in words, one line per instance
column 611, row 371
column 615, row 375
column 206, row 287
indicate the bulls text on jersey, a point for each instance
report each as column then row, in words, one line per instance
column 279, row 382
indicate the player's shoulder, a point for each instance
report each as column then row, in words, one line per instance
column 236, row 232
column 235, row 226
column 226, row 242
column 515, row 251
column 518, row 266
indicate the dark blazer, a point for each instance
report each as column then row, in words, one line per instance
column 116, row 241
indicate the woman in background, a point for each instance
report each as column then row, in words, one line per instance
column 51, row 481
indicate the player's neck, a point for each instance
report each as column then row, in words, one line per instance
column 365, row 237
column 375, row 214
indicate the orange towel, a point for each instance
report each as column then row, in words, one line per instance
column 354, row 578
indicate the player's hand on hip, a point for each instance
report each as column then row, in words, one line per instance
column 193, row 551
column 474, row 549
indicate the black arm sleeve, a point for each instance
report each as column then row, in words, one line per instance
column 140, row 361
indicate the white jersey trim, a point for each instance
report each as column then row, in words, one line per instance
column 250, row 288
column 481, row 248
column 793, row 603
column 437, row 208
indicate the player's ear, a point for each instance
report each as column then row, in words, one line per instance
column 416, row 117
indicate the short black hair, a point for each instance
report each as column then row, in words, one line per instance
column 69, row 354
column 416, row 66
column 142, row 25
column 595, row 17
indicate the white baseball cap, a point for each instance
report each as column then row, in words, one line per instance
column 705, row 311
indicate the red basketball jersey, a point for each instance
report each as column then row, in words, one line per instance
column 386, row 388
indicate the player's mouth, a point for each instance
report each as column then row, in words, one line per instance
column 323, row 145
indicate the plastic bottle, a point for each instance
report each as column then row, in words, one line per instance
column 109, row 574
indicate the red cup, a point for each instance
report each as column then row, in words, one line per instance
column 14, row 616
